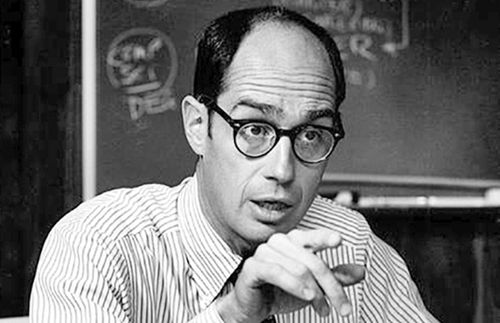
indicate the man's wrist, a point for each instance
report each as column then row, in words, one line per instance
column 229, row 310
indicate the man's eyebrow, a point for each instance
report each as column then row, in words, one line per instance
column 269, row 109
column 315, row 114
column 265, row 108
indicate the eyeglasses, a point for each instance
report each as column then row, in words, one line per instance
column 255, row 138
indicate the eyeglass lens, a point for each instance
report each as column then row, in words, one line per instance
column 313, row 144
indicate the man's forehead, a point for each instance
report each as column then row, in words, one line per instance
column 279, row 88
column 282, row 45
column 283, row 61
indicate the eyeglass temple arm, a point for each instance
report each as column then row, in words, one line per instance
column 211, row 105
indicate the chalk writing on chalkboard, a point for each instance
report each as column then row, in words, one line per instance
column 142, row 63
column 364, row 30
column 147, row 3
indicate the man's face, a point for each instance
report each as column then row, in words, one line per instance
column 282, row 75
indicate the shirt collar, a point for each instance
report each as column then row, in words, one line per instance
column 210, row 257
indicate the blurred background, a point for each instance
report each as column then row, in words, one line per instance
column 421, row 158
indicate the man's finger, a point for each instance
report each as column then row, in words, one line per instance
column 256, row 273
column 315, row 240
column 322, row 274
column 349, row 274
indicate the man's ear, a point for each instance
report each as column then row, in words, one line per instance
column 195, row 120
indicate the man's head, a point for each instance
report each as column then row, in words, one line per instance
column 264, row 70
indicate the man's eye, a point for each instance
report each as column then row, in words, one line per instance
column 311, row 135
column 256, row 130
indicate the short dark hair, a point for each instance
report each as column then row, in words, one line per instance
column 221, row 39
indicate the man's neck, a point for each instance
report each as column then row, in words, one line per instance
column 237, row 244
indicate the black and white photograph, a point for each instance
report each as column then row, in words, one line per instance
column 247, row 161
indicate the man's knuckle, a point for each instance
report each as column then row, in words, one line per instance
column 276, row 238
column 262, row 250
column 274, row 270
column 302, row 271
column 294, row 234
column 250, row 263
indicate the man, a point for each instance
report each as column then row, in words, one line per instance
column 246, row 239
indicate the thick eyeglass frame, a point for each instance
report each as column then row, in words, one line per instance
column 337, row 130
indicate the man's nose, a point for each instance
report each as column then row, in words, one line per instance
column 281, row 162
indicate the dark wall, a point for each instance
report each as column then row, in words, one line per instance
column 39, row 135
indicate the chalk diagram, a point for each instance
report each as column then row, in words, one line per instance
column 142, row 63
column 364, row 30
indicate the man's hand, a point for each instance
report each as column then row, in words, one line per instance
column 284, row 275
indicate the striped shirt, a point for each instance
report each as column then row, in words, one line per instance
column 148, row 254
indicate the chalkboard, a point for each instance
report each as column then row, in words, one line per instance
column 422, row 99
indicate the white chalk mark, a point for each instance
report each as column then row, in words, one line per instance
column 392, row 47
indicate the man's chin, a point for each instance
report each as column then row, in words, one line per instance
column 262, row 231
column 262, row 225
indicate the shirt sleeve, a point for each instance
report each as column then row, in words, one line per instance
column 389, row 293
column 78, row 279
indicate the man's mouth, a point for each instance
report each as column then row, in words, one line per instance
column 273, row 205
